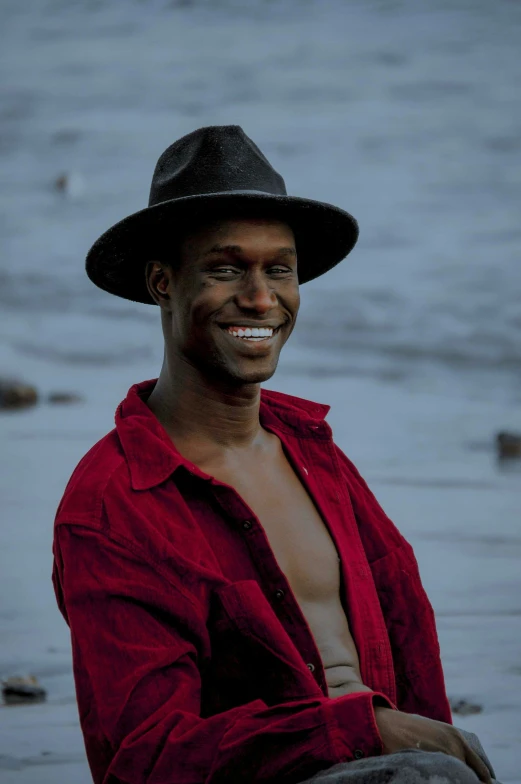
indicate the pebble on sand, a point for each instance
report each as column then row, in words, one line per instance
column 17, row 394
column 508, row 444
column 70, row 184
column 63, row 397
column 464, row 707
column 25, row 688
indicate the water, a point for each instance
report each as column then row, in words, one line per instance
column 407, row 114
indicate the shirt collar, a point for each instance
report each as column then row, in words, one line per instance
column 152, row 457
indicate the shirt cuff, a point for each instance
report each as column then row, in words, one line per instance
column 353, row 725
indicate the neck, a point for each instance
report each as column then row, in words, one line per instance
column 205, row 412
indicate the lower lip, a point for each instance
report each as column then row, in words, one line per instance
column 252, row 345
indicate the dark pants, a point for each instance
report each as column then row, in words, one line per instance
column 410, row 766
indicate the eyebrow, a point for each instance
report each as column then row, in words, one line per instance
column 237, row 250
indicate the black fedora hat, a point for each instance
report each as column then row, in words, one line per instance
column 214, row 172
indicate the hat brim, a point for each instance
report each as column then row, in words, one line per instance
column 324, row 236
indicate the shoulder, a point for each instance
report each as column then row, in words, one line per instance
column 102, row 467
column 299, row 406
column 379, row 533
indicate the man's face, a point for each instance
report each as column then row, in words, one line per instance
column 235, row 276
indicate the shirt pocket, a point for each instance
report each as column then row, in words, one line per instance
column 253, row 656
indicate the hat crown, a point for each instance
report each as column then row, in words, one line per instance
column 215, row 159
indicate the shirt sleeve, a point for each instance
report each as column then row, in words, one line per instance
column 407, row 611
column 138, row 642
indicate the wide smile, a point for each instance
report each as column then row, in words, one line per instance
column 253, row 337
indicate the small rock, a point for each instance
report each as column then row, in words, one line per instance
column 16, row 394
column 18, row 689
column 465, row 708
column 63, row 397
column 70, row 184
column 66, row 136
column 508, row 444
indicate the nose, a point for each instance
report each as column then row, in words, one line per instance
column 256, row 293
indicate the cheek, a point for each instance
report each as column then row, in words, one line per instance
column 292, row 303
column 292, row 299
column 207, row 302
column 195, row 305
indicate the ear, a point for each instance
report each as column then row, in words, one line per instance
column 159, row 283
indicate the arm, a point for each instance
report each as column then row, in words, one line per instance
column 407, row 611
column 423, row 719
column 138, row 643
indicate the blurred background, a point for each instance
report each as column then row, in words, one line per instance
column 408, row 115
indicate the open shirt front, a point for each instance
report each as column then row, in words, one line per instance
column 192, row 659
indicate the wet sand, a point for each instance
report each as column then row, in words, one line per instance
column 405, row 114
column 452, row 501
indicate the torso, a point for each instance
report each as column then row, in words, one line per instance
column 304, row 551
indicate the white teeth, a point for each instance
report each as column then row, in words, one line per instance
column 253, row 333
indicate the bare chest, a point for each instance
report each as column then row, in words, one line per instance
column 306, row 554
column 297, row 534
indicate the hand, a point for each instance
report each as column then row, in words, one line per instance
column 408, row 731
column 352, row 687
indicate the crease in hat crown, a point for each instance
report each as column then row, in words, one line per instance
column 210, row 160
column 214, row 171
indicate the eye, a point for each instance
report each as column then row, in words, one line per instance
column 223, row 270
column 280, row 270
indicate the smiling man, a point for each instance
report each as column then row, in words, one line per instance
column 241, row 609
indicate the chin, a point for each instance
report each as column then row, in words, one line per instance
column 238, row 376
column 252, row 376
column 258, row 378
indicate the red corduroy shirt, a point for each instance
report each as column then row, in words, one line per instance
column 193, row 662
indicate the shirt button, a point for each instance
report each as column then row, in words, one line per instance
column 247, row 524
column 311, row 667
column 358, row 754
column 280, row 594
